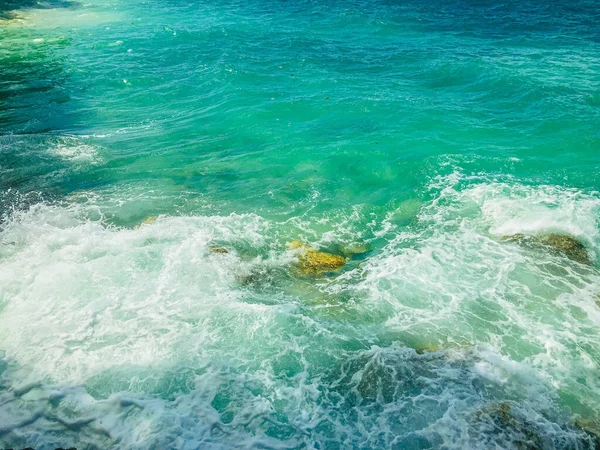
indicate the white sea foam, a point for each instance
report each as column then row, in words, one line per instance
column 72, row 153
column 75, row 151
column 451, row 280
column 119, row 309
column 99, row 296
column 141, row 336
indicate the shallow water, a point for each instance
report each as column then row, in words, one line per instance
column 414, row 135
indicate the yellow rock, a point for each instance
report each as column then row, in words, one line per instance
column 147, row 221
column 312, row 262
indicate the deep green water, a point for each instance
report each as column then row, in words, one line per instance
column 419, row 133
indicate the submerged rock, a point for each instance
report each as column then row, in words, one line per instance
column 312, row 262
column 426, row 348
column 500, row 419
column 560, row 243
column 147, row 221
column 350, row 251
column 591, row 429
column 498, row 412
column 568, row 245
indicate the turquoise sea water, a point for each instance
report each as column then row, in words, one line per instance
column 413, row 135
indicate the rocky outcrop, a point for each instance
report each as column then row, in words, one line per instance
column 558, row 243
column 591, row 429
column 517, row 430
column 350, row 251
column 147, row 221
column 312, row 261
column 567, row 245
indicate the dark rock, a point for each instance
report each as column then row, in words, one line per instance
column 591, row 429
column 567, row 245
column 559, row 243
column 501, row 418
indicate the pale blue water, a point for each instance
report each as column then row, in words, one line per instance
column 412, row 134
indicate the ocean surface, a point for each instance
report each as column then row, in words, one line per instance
column 157, row 156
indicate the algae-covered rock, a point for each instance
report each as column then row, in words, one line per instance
column 567, row 245
column 312, row 262
column 147, row 221
column 518, row 237
column 500, row 413
column 426, row 348
column 591, row 429
column 518, row 431
column 560, row 243
column 350, row 251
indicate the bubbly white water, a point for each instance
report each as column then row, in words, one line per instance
column 145, row 338
column 454, row 282
column 438, row 334
column 75, row 152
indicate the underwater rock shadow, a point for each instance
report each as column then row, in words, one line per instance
column 9, row 7
column 97, row 414
column 31, row 79
column 388, row 397
column 31, row 174
column 440, row 400
column 554, row 243
column 37, row 70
